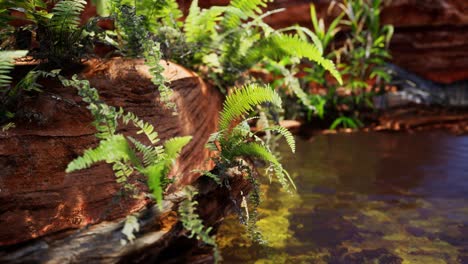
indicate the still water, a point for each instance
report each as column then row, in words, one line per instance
column 363, row 198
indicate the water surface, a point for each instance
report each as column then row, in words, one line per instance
column 364, row 198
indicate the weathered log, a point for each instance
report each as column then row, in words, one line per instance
column 38, row 198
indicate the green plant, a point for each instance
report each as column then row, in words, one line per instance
column 6, row 66
column 192, row 222
column 360, row 59
column 346, row 122
column 366, row 49
column 61, row 39
column 122, row 152
column 55, row 38
column 234, row 142
column 134, row 37
column 224, row 42
column 237, row 141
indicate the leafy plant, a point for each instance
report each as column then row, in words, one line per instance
column 360, row 59
column 234, row 142
column 135, row 27
column 123, row 152
column 6, row 66
column 224, row 42
column 366, row 49
column 60, row 36
column 346, row 122
column 192, row 222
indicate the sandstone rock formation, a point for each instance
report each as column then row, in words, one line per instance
column 37, row 197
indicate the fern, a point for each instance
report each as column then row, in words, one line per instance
column 151, row 154
column 239, row 142
column 174, row 145
column 145, row 128
column 113, row 149
column 7, row 91
column 286, row 134
column 240, row 10
column 152, row 56
column 243, row 100
column 263, row 153
column 159, row 11
column 192, row 222
column 66, row 15
column 6, row 65
column 295, row 46
column 200, row 25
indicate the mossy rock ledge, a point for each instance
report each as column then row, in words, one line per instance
column 40, row 203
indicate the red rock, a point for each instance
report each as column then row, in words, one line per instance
column 38, row 198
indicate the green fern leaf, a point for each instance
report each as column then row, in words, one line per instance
column 155, row 174
column 286, row 134
column 6, row 65
column 145, row 128
column 295, row 46
column 240, row 10
column 173, row 146
column 66, row 15
column 113, row 149
column 242, row 100
column 190, row 219
column 253, row 150
column 200, row 25
column 259, row 151
column 151, row 154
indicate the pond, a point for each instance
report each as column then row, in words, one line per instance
column 363, row 198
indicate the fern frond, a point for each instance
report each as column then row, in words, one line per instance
column 152, row 56
column 240, row 10
column 166, row 11
column 113, row 149
column 286, row 134
column 259, row 151
column 242, row 100
column 253, row 150
column 295, row 46
column 66, row 15
column 200, row 25
column 192, row 222
column 173, row 146
column 145, row 128
column 122, row 171
column 151, row 154
column 211, row 143
column 6, row 65
column 250, row 7
column 155, row 174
